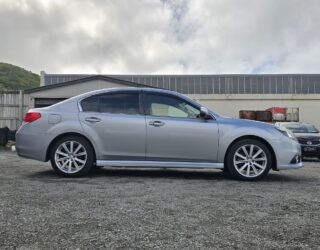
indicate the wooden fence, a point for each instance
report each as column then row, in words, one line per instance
column 13, row 106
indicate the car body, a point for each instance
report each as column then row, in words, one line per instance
column 149, row 127
column 307, row 135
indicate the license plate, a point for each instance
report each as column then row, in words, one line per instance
column 309, row 149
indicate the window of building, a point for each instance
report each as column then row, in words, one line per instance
column 279, row 85
column 234, row 85
column 197, row 84
column 254, row 85
column 247, row 85
column 273, row 85
column 184, row 85
column 266, row 84
column 286, row 85
column 216, row 85
column 166, row 83
column 260, row 85
column 222, row 84
column 241, row 85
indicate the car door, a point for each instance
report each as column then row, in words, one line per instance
column 116, row 123
column 176, row 133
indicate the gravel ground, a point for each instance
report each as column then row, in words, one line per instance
column 161, row 209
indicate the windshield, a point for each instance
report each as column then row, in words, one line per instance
column 301, row 128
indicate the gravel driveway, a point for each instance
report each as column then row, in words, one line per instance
column 161, row 209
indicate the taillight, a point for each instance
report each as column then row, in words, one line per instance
column 31, row 116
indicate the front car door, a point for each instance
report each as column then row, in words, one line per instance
column 115, row 121
column 176, row 133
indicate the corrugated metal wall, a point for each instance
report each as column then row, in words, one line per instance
column 216, row 84
column 10, row 105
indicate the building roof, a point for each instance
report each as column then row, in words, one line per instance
column 85, row 79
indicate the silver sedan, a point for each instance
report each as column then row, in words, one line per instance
column 146, row 127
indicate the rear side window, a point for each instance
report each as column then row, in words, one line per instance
column 121, row 103
column 90, row 104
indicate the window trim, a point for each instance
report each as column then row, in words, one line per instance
column 145, row 94
column 141, row 110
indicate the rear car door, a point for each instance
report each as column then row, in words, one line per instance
column 176, row 133
column 116, row 123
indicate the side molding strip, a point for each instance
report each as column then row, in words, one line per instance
column 162, row 164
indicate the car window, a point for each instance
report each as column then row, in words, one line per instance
column 90, row 104
column 161, row 105
column 118, row 103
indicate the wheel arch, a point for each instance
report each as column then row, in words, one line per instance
column 69, row 134
column 260, row 139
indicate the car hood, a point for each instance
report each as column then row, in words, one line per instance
column 245, row 122
column 307, row 135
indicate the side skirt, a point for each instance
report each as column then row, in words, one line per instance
column 161, row 164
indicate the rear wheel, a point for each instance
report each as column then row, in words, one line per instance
column 72, row 156
column 249, row 160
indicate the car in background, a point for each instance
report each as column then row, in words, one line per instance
column 307, row 135
column 149, row 127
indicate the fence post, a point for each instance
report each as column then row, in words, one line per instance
column 21, row 104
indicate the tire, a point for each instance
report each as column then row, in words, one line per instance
column 72, row 156
column 225, row 170
column 251, row 165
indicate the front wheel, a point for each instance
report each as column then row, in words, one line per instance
column 249, row 160
column 72, row 156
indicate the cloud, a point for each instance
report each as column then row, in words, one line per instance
column 165, row 36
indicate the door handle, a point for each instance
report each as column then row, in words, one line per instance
column 156, row 123
column 92, row 119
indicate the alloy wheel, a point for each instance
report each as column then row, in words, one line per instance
column 70, row 157
column 250, row 160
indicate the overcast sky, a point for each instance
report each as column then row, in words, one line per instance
column 154, row 36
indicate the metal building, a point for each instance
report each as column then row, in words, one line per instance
column 214, row 84
column 225, row 94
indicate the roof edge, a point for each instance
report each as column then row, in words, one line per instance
column 85, row 79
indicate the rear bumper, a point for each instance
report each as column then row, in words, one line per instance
column 32, row 145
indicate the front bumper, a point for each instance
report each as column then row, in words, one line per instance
column 290, row 166
column 288, row 154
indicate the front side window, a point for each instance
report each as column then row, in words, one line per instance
column 118, row 103
column 162, row 105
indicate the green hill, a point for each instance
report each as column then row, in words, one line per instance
column 14, row 78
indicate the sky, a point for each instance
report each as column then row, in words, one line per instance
column 161, row 36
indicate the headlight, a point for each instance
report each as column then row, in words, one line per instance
column 287, row 133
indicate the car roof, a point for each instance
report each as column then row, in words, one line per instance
column 105, row 90
column 150, row 90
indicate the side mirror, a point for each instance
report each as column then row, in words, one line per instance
column 204, row 114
